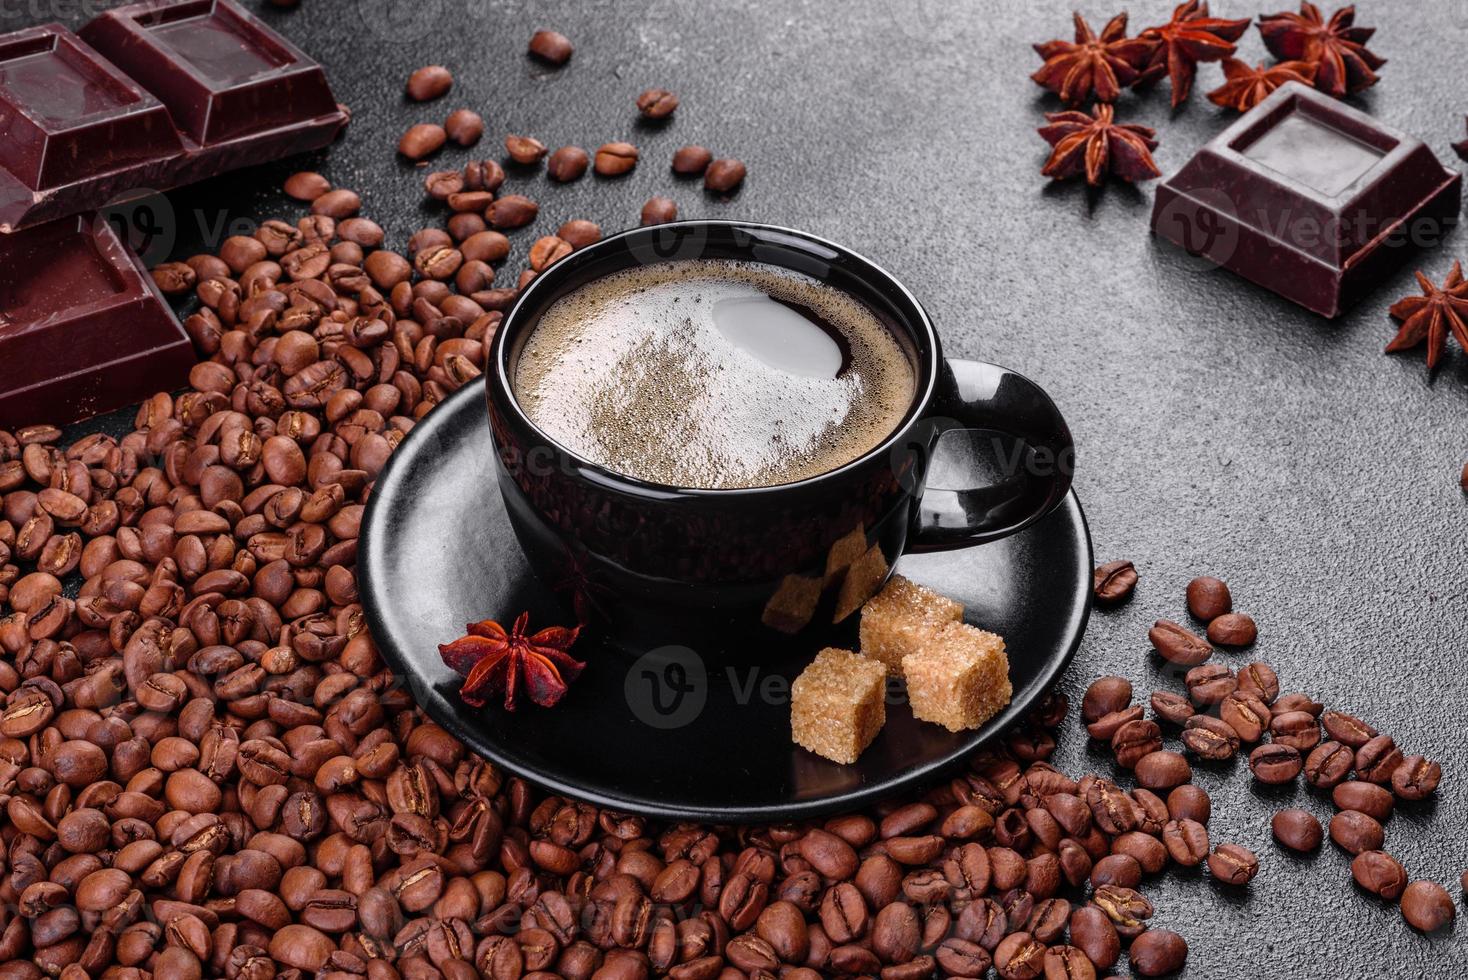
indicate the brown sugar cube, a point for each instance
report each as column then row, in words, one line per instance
column 846, row 549
column 793, row 604
column 897, row 620
column 960, row 677
column 863, row 578
column 837, row 705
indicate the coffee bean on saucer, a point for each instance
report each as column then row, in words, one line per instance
column 1105, row 695
column 1208, row 598
column 524, row 149
column 1233, row 864
column 691, row 160
column 1173, row 708
column 1158, row 952
column 551, row 47
column 1328, row 765
column 1416, row 778
column 1233, row 630
column 659, row 211
column 723, row 176
column 567, row 164
column 306, row 185
column 1297, row 829
column 1113, row 582
column 1364, row 797
column 1177, row 645
column 1427, row 906
column 615, row 159
column 422, row 140
column 1275, row 764
column 657, row 103
column 1380, row 874
column 429, row 82
column 464, row 126
column 1355, row 832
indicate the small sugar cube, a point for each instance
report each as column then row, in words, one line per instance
column 793, row 604
column 837, row 705
column 863, row 578
column 959, row 678
column 896, row 620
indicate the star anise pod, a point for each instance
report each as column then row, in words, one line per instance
column 1431, row 316
column 1092, row 66
column 1190, row 37
column 1095, row 145
column 1247, row 87
column 495, row 661
column 1337, row 47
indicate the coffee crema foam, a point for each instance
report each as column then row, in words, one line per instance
column 638, row 372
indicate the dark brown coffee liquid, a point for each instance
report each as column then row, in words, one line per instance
column 714, row 374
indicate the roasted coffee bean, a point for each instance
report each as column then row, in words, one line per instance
column 1127, row 909
column 1347, row 729
column 1416, row 778
column 1158, row 952
column 1427, row 906
column 657, row 103
column 306, row 186
column 1380, row 874
column 1275, row 764
column 1019, row 956
column 1092, row 933
column 1297, row 829
column 1210, row 684
column 1355, row 832
column 567, row 164
column 429, row 82
column 1172, row 708
column 723, row 175
column 1233, row 630
column 1246, row 714
column 1189, row 803
column 551, row 47
column 1295, row 728
column 1378, row 759
column 1113, row 582
column 1232, row 864
column 1162, row 770
column 525, row 150
column 421, row 141
column 1134, row 740
column 512, row 211
column 1298, row 702
column 1104, row 696
column 691, row 160
column 464, row 127
column 1186, row 842
column 1105, row 727
column 1210, row 738
column 659, row 210
column 615, row 159
column 1068, row 963
column 1177, row 645
column 1117, row 869
column 1363, row 797
column 961, row 958
column 1208, row 598
column 1260, row 680
column 1328, row 764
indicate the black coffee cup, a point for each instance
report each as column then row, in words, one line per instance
column 658, row 564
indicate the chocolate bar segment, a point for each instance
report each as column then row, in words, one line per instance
column 83, row 329
column 152, row 96
column 1309, row 198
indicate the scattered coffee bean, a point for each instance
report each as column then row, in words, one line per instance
column 1177, row 645
column 659, row 210
column 1416, row 778
column 1134, row 740
column 1380, row 874
column 1363, row 797
column 1158, row 952
column 1162, row 770
column 525, row 150
column 1233, row 630
column 1189, row 803
column 657, row 103
column 723, row 176
column 1378, row 759
column 464, row 127
column 422, row 140
column 1297, row 829
column 1427, row 906
column 1111, row 583
column 615, row 159
column 306, row 185
column 1232, row 864
column 691, row 160
column 1346, row 729
column 1275, row 764
column 567, row 164
column 1355, row 832
column 429, row 82
column 1295, row 728
column 1260, row 680
column 580, row 233
column 337, row 204
column 1186, row 842
column 1210, row 684
column 1246, row 715
column 547, row 251
column 512, row 211
column 1172, row 708
column 1210, row 738
column 1208, row 598
column 1105, row 695
column 1328, row 764
column 551, row 47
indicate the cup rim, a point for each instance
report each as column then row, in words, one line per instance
column 916, row 322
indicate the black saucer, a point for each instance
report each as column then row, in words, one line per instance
column 689, row 732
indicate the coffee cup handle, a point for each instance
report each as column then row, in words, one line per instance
column 1010, row 420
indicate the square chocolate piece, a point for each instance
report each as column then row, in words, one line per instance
column 1310, row 198
column 83, row 329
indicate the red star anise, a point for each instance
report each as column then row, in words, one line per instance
column 494, row 661
column 1190, row 37
column 1338, row 48
column 1100, row 66
column 1247, row 87
column 1432, row 315
column 1096, row 146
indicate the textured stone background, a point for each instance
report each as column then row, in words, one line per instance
column 1220, row 429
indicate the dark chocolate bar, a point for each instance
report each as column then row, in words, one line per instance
column 83, row 329
column 150, row 96
column 1310, row 198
